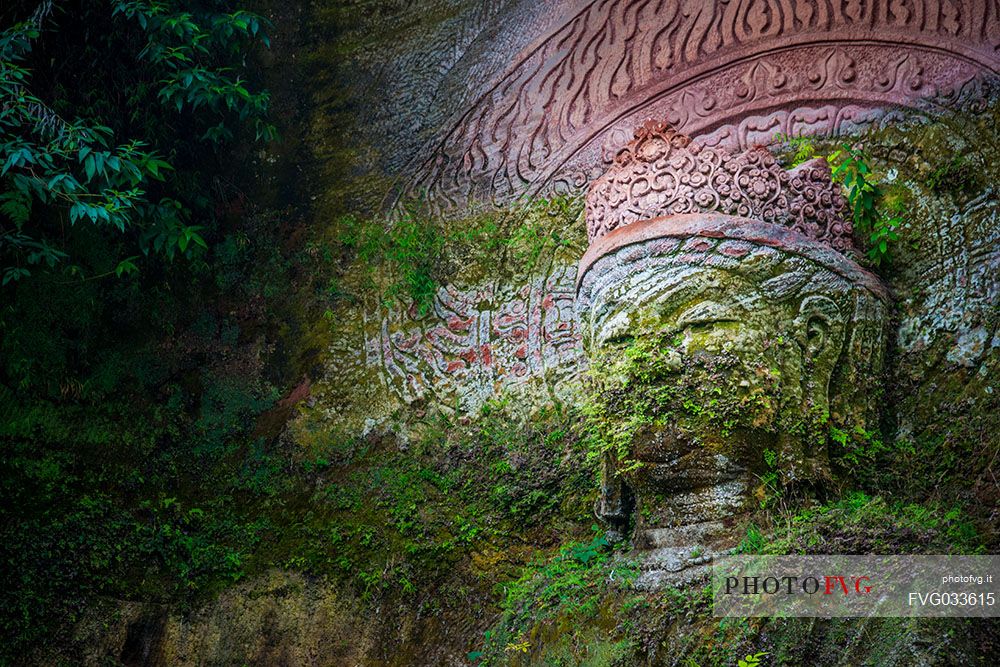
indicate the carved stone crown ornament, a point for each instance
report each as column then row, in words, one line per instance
column 728, row 282
column 662, row 172
column 663, row 185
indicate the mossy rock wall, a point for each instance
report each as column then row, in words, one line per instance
column 433, row 461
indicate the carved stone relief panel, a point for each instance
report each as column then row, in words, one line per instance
column 725, row 322
column 727, row 73
column 479, row 341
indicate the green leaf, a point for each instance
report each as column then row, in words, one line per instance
column 126, row 266
column 16, row 206
column 13, row 274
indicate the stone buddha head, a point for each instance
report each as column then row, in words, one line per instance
column 728, row 331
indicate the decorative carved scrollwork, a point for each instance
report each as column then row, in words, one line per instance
column 709, row 68
column 662, row 172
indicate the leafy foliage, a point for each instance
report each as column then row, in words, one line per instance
column 572, row 584
column 81, row 520
column 412, row 256
column 395, row 521
column 751, row 660
column 876, row 216
column 61, row 171
column 111, row 118
column 852, row 167
column 860, row 522
column 411, row 249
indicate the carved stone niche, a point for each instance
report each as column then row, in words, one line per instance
column 728, row 329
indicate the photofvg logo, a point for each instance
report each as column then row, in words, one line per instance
column 809, row 585
column 847, row 586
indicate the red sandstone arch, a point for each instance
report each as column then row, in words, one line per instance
column 730, row 72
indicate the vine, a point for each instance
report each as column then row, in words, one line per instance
column 873, row 216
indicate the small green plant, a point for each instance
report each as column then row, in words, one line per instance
column 771, row 479
column 754, row 541
column 751, row 660
column 858, row 446
column 805, row 147
column 588, row 551
column 520, row 646
column 957, row 175
column 873, row 214
column 851, row 167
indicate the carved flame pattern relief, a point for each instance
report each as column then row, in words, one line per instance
column 725, row 70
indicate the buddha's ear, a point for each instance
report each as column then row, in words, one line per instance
column 820, row 333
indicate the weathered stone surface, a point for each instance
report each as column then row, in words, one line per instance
column 743, row 341
column 792, row 338
column 951, row 287
column 478, row 342
column 279, row 619
column 662, row 172
column 729, row 73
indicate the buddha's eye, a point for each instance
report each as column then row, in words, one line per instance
column 704, row 315
column 619, row 340
column 706, row 325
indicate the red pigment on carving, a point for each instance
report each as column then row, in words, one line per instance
column 734, row 251
column 456, row 323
